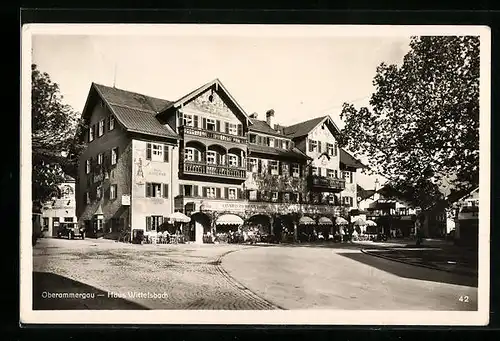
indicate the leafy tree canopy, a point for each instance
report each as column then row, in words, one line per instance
column 423, row 121
column 56, row 137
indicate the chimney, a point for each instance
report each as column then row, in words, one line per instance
column 270, row 117
column 254, row 115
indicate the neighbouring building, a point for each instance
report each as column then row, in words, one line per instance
column 394, row 217
column 60, row 209
column 465, row 215
column 202, row 155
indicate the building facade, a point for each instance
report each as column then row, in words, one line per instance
column 202, row 155
column 60, row 209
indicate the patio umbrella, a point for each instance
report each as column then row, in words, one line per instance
column 306, row 221
column 325, row 221
column 341, row 221
column 179, row 217
column 370, row 223
column 360, row 222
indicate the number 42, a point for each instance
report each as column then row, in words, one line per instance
column 464, row 299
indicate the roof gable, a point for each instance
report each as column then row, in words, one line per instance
column 305, row 127
column 215, row 85
column 260, row 126
column 135, row 112
column 349, row 161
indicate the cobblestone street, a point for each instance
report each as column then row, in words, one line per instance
column 238, row 277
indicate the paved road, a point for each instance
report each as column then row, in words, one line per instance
column 322, row 278
column 185, row 276
column 236, row 277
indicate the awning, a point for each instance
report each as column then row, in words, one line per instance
column 370, row 223
column 325, row 221
column 360, row 222
column 341, row 221
column 179, row 217
column 306, row 221
column 229, row 219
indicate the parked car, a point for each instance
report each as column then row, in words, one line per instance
column 70, row 230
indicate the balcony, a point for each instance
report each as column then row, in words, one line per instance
column 213, row 135
column 325, row 184
column 220, row 171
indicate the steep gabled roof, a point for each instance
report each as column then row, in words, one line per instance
column 349, row 160
column 292, row 153
column 305, row 127
column 193, row 94
column 262, row 127
column 134, row 111
column 364, row 193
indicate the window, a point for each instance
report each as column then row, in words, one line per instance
column 189, row 154
column 153, row 222
column 100, row 157
column 111, row 123
column 252, row 165
column 285, row 169
column 295, row 170
column 314, row 171
column 232, row 194
column 313, row 145
column 45, row 224
column 101, row 128
column 91, row 133
column 68, row 219
column 347, row 176
column 55, row 221
column 330, row 173
column 274, row 196
column 252, row 138
column 330, row 149
column 153, row 190
column 286, row 144
column 211, row 124
column 210, row 192
column 87, row 198
column 99, row 192
column 273, row 167
column 233, row 129
column 252, row 195
column 87, row 166
column 211, row 157
column 232, row 160
column 347, row 201
column 156, row 152
column 286, row 197
column 188, row 120
column 270, row 141
column 114, row 156
column 112, row 192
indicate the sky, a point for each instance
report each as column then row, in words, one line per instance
column 300, row 77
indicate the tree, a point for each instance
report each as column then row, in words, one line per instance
column 423, row 124
column 56, row 137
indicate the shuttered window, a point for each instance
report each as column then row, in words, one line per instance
column 148, row 151
column 165, row 153
column 165, row 191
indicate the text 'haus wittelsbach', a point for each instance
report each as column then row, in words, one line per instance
column 205, row 157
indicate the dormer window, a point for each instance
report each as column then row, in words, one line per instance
column 252, row 138
column 270, row 142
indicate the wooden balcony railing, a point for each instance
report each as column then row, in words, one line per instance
column 201, row 168
column 210, row 134
column 322, row 182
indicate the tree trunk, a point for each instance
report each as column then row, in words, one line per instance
column 425, row 224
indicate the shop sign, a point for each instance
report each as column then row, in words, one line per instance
column 126, row 199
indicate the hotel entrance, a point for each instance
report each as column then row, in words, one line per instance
column 199, row 227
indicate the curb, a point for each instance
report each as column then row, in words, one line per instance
column 463, row 273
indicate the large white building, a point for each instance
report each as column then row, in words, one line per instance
column 60, row 209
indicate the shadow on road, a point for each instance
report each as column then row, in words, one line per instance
column 45, row 282
column 411, row 271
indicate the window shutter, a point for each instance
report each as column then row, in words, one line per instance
column 148, row 223
column 203, row 157
column 195, row 190
column 165, row 191
column 279, row 168
column 148, row 151
column 319, row 146
column 259, row 139
column 195, row 121
column 148, row 189
column 181, row 190
column 226, row 192
column 319, row 171
column 335, row 149
column 240, row 130
column 165, row 220
column 165, row 153
column 310, row 145
column 204, row 189
column 259, row 165
column 217, row 125
column 204, row 123
column 227, row 128
column 117, row 154
column 217, row 193
column 94, row 127
column 240, row 196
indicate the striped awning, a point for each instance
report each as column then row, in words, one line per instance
column 229, row 219
column 325, row 221
column 306, row 221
